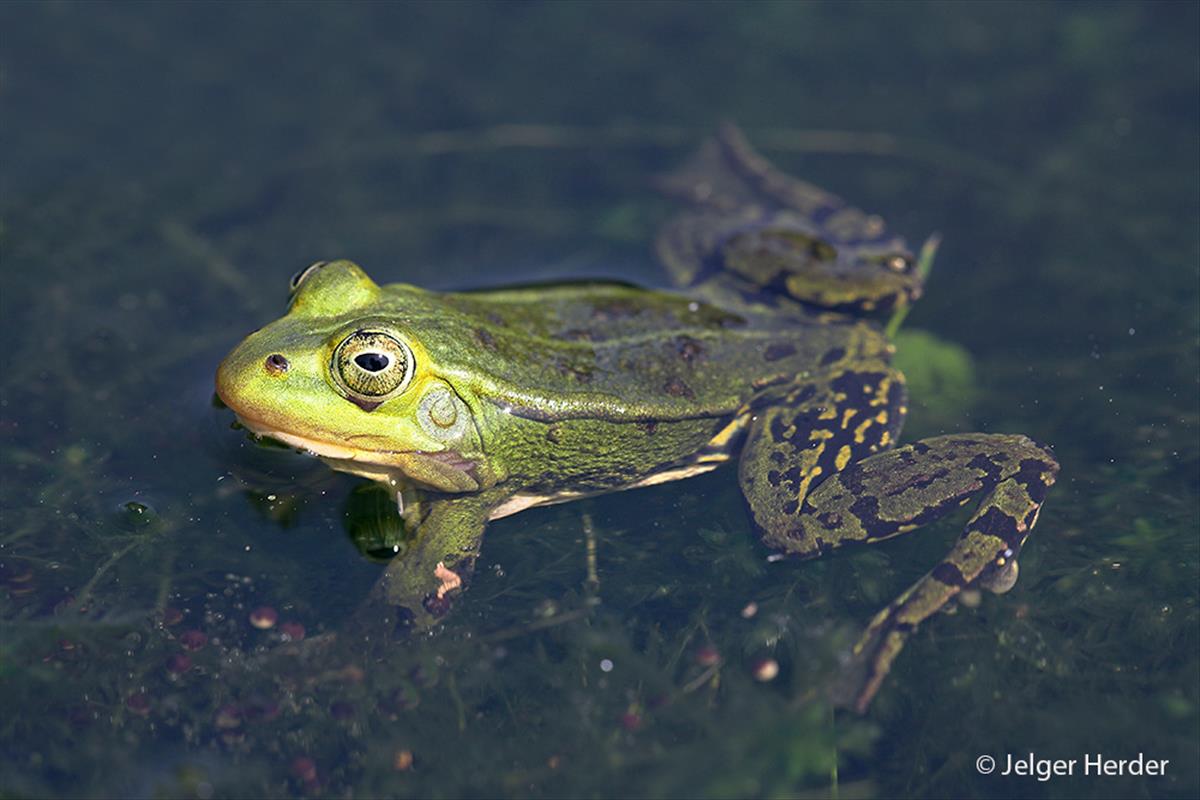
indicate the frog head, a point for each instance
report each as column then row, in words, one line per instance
column 341, row 377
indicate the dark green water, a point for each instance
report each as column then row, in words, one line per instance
column 167, row 167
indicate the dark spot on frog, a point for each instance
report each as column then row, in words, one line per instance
column 554, row 434
column 796, row 430
column 830, row 519
column 799, row 535
column 853, row 480
column 779, row 350
column 996, row 523
column 919, row 481
column 986, row 465
column 677, row 388
column 791, row 477
column 803, row 396
column 866, row 510
column 650, row 428
column 582, row 374
column 857, row 385
column 949, row 574
column 689, row 349
column 834, row 355
column 496, row 319
column 485, row 338
column 1030, row 476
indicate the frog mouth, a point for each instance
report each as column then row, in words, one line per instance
column 321, row 448
column 445, row 470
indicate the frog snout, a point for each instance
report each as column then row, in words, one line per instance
column 244, row 375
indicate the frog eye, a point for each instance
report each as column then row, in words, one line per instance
column 303, row 274
column 372, row 365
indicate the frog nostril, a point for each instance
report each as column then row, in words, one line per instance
column 276, row 364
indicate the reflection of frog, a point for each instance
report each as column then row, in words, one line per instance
column 473, row 406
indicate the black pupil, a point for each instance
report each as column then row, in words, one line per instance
column 372, row 362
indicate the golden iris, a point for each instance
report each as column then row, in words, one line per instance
column 372, row 364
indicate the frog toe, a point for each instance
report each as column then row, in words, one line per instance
column 869, row 662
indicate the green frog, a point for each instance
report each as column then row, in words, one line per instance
column 472, row 406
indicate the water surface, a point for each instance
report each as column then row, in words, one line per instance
column 167, row 168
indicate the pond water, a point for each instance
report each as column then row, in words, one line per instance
column 167, row 168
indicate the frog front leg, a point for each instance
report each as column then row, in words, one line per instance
column 815, row 482
column 421, row 582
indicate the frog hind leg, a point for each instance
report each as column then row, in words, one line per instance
column 814, row 484
column 751, row 227
column 726, row 174
column 726, row 186
column 809, row 432
column 687, row 244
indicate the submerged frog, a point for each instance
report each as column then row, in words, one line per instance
column 473, row 406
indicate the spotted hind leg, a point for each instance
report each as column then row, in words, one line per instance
column 1011, row 472
column 891, row 493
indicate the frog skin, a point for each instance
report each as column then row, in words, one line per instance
column 473, row 406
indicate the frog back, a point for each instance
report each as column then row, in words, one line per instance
column 607, row 350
